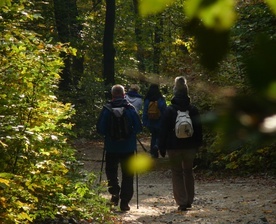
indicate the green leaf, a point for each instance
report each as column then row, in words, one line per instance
column 6, row 175
column 5, row 3
column 215, row 14
column 149, row 7
column 271, row 91
column 261, row 66
column 272, row 5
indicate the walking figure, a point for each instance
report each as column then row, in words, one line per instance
column 154, row 107
column 182, row 149
column 119, row 123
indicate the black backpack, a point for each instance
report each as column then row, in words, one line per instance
column 120, row 126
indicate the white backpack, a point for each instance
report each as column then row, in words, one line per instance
column 183, row 125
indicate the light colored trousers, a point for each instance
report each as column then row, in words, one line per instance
column 182, row 175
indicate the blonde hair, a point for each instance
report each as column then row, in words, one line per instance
column 134, row 87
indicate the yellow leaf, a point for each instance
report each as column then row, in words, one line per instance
column 272, row 5
column 140, row 163
column 24, row 215
column 5, row 182
column 2, row 143
column 150, row 7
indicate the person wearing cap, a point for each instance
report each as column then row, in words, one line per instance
column 181, row 151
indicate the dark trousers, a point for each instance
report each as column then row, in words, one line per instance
column 111, row 168
column 154, row 141
column 182, row 175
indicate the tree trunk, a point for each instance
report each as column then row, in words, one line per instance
column 108, row 46
column 69, row 28
column 139, row 39
column 158, row 36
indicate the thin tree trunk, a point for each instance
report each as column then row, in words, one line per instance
column 69, row 28
column 158, row 36
column 139, row 39
column 108, row 46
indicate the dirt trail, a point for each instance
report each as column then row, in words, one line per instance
column 218, row 201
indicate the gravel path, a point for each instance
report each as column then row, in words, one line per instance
column 249, row 200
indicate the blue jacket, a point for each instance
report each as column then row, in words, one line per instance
column 153, row 123
column 135, row 99
column 124, row 146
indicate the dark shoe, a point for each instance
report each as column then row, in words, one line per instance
column 154, row 155
column 162, row 153
column 115, row 200
column 182, row 208
column 154, row 152
column 124, row 206
column 189, row 206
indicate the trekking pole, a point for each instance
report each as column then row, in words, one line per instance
column 102, row 165
column 137, row 186
column 144, row 148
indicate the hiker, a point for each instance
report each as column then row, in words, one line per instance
column 154, row 106
column 134, row 97
column 119, row 151
column 181, row 151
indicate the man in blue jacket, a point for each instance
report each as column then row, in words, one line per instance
column 119, row 151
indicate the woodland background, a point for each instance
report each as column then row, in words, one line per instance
column 59, row 59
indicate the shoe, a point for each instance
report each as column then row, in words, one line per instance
column 182, row 208
column 124, row 206
column 154, row 155
column 154, row 152
column 115, row 200
column 189, row 206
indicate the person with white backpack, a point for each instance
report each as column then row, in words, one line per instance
column 180, row 137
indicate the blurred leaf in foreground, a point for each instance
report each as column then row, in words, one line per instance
column 149, row 7
column 215, row 14
column 272, row 5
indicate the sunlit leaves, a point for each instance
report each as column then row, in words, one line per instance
column 214, row 14
column 33, row 122
column 149, row 7
column 272, row 5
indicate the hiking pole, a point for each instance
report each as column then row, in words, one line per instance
column 102, row 165
column 144, row 148
column 137, row 186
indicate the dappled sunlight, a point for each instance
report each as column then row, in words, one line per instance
column 269, row 124
column 216, row 201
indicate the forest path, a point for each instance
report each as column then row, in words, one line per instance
column 250, row 200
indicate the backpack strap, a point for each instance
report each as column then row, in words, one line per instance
column 108, row 106
column 127, row 106
column 177, row 107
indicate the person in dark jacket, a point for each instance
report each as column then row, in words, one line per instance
column 181, row 151
column 153, row 94
column 119, row 152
